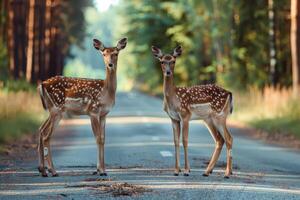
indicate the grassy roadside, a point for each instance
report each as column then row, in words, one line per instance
column 279, row 125
column 20, row 113
column 273, row 110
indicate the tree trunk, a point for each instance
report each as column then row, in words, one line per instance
column 47, row 39
column 295, row 24
column 2, row 9
column 272, row 38
column 21, row 38
column 36, row 42
column 41, row 39
column 10, row 36
column 30, row 41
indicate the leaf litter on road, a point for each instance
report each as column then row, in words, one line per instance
column 124, row 189
column 105, row 185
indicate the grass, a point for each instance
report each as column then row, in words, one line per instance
column 273, row 109
column 279, row 125
column 21, row 112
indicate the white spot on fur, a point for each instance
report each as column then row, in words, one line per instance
column 45, row 151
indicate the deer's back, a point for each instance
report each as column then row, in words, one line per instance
column 59, row 89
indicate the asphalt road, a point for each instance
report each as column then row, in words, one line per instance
column 139, row 151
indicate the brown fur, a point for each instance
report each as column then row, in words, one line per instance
column 210, row 103
column 91, row 97
column 199, row 94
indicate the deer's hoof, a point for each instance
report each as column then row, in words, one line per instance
column 186, row 174
column 95, row 172
column 40, row 169
column 53, row 172
column 44, row 174
column 55, row 175
column 226, row 177
column 176, row 174
column 103, row 174
column 205, row 174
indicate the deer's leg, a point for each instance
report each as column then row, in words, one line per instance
column 219, row 141
column 102, row 142
column 47, row 148
column 96, row 130
column 98, row 126
column 176, row 133
column 221, row 126
column 228, row 141
column 185, row 134
column 42, row 129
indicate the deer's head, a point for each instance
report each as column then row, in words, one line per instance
column 167, row 61
column 110, row 54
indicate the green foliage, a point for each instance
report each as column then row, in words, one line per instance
column 15, row 127
column 73, row 24
column 223, row 41
column 284, row 125
column 87, row 61
column 100, row 26
column 76, row 68
column 18, row 85
column 20, row 112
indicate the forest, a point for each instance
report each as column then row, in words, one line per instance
column 250, row 47
column 36, row 36
column 239, row 44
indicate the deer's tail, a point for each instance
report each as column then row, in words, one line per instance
column 231, row 102
column 41, row 90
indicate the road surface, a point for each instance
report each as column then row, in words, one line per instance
column 139, row 151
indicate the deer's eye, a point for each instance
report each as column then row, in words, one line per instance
column 162, row 62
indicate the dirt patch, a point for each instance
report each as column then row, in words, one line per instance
column 126, row 189
column 21, row 150
column 277, row 138
column 115, row 189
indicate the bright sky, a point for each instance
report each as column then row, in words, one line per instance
column 103, row 5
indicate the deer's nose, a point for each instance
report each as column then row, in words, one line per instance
column 110, row 65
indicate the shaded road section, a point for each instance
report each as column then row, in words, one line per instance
column 139, row 151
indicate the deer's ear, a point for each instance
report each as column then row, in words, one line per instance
column 156, row 52
column 122, row 44
column 177, row 51
column 98, row 45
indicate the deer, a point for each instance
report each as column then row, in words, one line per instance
column 209, row 103
column 79, row 96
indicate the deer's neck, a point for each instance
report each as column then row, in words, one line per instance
column 111, row 81
column 169, row 88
